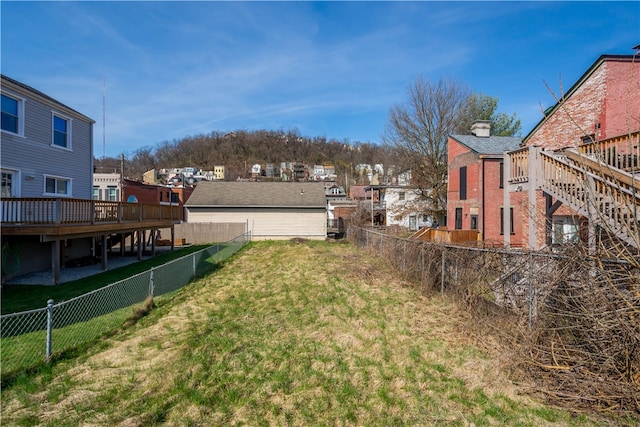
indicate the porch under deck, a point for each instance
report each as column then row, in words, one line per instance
column 57, row 220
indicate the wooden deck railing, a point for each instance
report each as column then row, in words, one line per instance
column 519, row 164
column 64, row 211
column 621, row 152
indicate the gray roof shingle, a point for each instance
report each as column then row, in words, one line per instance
column 42, row 95
column 489, row 145
column 258, row 194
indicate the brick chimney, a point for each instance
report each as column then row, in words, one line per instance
column 481, row 128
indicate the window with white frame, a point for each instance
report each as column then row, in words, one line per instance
column 112, row 194
column 12, row 114
column 57, row 186
column 96, row 192
column 61, row 131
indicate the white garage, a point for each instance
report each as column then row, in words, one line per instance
column 271, row 210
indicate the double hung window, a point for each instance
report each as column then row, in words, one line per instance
column 61, row 131
column 12, row 114
column 112, row 194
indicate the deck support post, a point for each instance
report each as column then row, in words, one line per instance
column 55, row 261
column 140, row 239
column 104, row 251
column 506, row 200
column 550, row 208
column 533, row 168
column 154, row 234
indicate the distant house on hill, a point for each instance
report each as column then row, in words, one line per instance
column 272, row 210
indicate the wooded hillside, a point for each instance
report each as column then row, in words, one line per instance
column 239, row 150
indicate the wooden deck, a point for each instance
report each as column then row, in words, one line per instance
column 59, row 217
column 55, row 220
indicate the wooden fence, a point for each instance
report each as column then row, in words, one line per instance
column 199, row 233
column 442, row 235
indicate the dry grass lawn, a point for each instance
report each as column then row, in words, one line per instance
column 287, row 333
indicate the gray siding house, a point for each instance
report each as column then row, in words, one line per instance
column 49, row 219
column 271, row 210
column 47, row 147
column 46, row 152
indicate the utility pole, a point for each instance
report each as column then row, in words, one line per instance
column 122, row 199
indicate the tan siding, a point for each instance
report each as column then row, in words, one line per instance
column 270, row 224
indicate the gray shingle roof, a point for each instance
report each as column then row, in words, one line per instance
column 258, row 194
column 42, row 95
column 489, row 145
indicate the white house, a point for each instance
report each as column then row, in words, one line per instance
column 107, row 186
column 272, row 210
column 405, row 208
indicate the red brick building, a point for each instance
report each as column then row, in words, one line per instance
column 475, row 192
column 603, row 108
column 136, row 191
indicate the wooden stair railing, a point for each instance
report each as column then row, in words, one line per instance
column 604, row 194
column 620, row 152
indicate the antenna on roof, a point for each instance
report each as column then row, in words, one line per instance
column 104, row 114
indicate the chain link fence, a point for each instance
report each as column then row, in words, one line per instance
column 505, row 279
column 570, row 320
column 29, row 337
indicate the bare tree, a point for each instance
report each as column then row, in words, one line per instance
column 142, row 160
column 419, row 129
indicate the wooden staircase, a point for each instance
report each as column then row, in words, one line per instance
column 599, row 180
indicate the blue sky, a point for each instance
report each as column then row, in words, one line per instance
column 333, row 69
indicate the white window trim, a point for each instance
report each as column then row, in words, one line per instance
column 69, row 121
column 21, row 102
column 69, row 186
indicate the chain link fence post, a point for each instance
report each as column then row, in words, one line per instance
column 530, row 277
column 49, row 328
column 442, row 274
column 404, row 257
column 455, row 274
column 193, row 265
column 151, row 283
